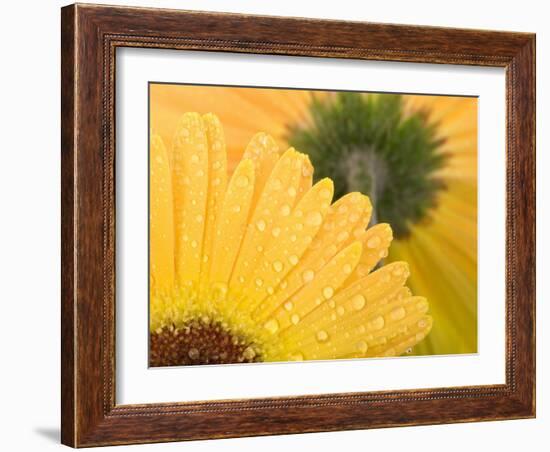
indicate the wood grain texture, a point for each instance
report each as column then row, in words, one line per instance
column 67, row 225
column 90, row 36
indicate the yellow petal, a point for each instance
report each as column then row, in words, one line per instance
column 264, row 152
column 232, row 222
column 376, row 241
column 307, row 178
column 190, row 184
column 161, row 226
column 217, row 180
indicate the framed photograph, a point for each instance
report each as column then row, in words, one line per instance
column 283, row 225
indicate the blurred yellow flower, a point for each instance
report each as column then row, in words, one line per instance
column 259, row 265
column 443, row 249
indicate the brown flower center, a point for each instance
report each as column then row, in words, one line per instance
column 199, row 342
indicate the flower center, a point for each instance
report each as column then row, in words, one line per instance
column 366, row 172
column 199, row 342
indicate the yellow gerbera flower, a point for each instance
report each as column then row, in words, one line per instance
column 441, row 249
column 260, row 266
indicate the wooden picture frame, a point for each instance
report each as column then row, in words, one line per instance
column 90, row 36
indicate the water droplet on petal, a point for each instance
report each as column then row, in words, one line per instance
column 293, row 259
column 285, row 210
column 242, row 181
column 278, row 266
column 322, row 336
column 422, row 305
column 398, row 270
column 377, row 323
column 362, row 346
column 325, row 193
column 358, row 302
column 314, row 218
column 347, row 269
column 340, row 310
column 291, row 191
column 308, row 275
column 295, row 318
column 297, row 357
column 289, row 305
column 220, row 290
column 276, row 184
column 374, row 242
column 328, row 292
column 342, row 236
column 260, row 224
column 276, row 232
column 195, row 158
column 259, row 282
column 398, row 313
column 272, row 326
